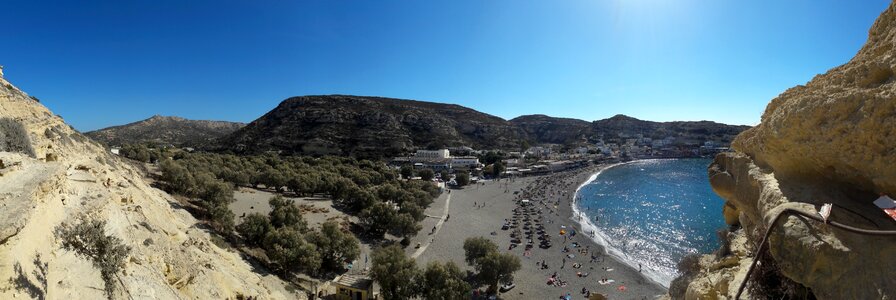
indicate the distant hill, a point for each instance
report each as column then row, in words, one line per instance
column 382, row 127
column 165, row 130
column 546, row 129
column 369, row 127
column 682, row 130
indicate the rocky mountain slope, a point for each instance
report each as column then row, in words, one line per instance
column 165, row 130
column 52, row 175
column 369, row 126
column 374, row 126
column 830, row 141
column 686, row 130
column 552, row 130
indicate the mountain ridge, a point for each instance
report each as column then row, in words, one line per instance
column 159, row 129
column 380, row 126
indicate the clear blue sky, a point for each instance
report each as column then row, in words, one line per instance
column 102, row 63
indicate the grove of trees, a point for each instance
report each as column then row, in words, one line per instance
column 367, row 189
column 400, row 278
column 291, row 246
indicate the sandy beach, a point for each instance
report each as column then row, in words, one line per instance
column 481, row 210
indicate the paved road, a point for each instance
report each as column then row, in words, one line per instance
column 438, row 227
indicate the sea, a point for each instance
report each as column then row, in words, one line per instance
column 652, row 213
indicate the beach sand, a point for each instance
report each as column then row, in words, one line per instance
column 481, row 209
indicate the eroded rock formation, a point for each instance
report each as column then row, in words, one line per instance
column 50, row 174
column 830, row 141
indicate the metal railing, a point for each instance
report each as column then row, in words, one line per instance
column 812, row 216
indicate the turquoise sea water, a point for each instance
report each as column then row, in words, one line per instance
column 652, row 212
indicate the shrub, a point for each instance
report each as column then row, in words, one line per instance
column 767, row 282
column 14, row 137
column 88, row 239
column 688, row 267
column 254, row 228
column 724, row 236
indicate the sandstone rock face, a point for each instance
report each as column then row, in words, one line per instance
column 834, row 263
column 65, row 177
column 841, row 125
column 830, row 141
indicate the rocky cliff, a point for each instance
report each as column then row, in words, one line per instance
column 51, row 175
column 163, row 130
column 830, row 141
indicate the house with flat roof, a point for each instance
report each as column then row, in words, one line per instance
column 353, row 287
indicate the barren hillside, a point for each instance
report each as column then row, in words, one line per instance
column 52, row 175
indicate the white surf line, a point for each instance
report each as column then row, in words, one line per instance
column 438, row 227
column 600, row 237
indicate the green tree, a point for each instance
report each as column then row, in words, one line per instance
column 426, row 174
column 284, row 213
column 287, row 248
column 254, row 228
column 377, row 218
column 275, row 179
column 404, row 225
column 335, row 246
column 395, row 273
column 492, row 267
column 496, row 268
column 497, row 169
column 222, row 218
column 476, row 248
column 179, row 180
column 445, row 175
column 462, row 178
column 443, row 282
column 407, row 171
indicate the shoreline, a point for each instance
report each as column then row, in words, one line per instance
column 586, row 176
column 481, row 209
column 599, row 237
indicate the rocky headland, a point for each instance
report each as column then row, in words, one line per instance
column 829, row 141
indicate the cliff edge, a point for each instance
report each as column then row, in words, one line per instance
column 51, row 174
column 830, row 141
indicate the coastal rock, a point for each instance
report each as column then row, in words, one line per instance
column 830, row 141
column 53, row 175
column 840, row 126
